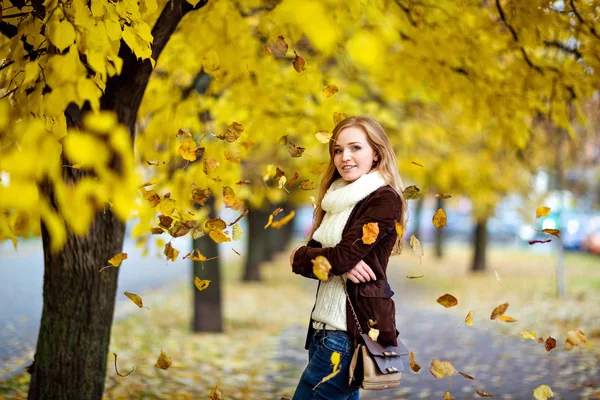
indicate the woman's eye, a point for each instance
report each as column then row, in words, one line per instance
column 337, row 151
column 356, row 148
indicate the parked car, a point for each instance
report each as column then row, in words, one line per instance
column 591, row 241
column 573, row 225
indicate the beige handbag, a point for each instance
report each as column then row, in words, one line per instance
column 373, row 366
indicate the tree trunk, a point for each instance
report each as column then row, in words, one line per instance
column 439, row 233
column 72, row 347
column 418, row 212
column 257, row 244
column 208, row 315
column 479, row 246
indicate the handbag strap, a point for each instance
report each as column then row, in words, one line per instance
column 351, row 307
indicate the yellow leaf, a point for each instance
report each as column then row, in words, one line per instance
column 370, row 232
column 469, row 318
column 171, row 252
column 439, row 219
column 313, row 201
column 164, row 361
column 187, row 150
column 195, row 255
column 200, row 195
column 528, row 335
column 323, row 136
column 61, row 34
column 233, row 132
column 233, row 156
column 280, row 47
column 299, row 63
column 399, row 229
column 215, row 223
column 135, row 298
column 330, row 90
column 201, row 284
column 215, row 394
column 543, row 392
column 411, row 193
column 321, row 267
column 236, row 232
column 441, row 369
column 413, row 365
column 447, row 396
column 116, row 260
column 465, row 375
column 269, row 222
column 209, row 164
column 574, row 338
column 319, row 168
column 339, row 117
column 506, row 318
column 442, row 196
column 415, row 276
column 554, row 232
column 219, row 236
column 307, row 185
column 295, row 151
column 282, row 182
column 373, row 334
column 484, row 394
column 501, row 309
column 283, row 221
column 335, row 362
column 542, row 212
column 447, row 300
column 415, row 245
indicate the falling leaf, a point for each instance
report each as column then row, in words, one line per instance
column 550, row 343
column 236, row 232
column 135, row 298
column 339, row 117
column 528, row 335
column 282, row 182
column 542, row 212
column 313, row 201
column 539, row 241
column 442, row 196
column 323, row 136
column 201, row 284
column 299, row 63
column 439, row 219
column 164, row 361
column 411, row 192
column 319, row 168
column 219, row 236
column 295, row 151
column 506, row 318
column 321, row 267
column 335, row 362
column 195, row 257
column 543, row 392
column 215, row 223
column 200, row 195
column 373, row 334
column 171, row 252
column 187, row 150
column 447, row 300
column 117, row 371
column 179, row 229
column 469, row 318
column 273, row 214
column 415, row 276
column 242, row 215
column 280, row 47
column 232, row 202
column 465, row 375
column 399, row 229
column 283, row 140
column 283, row 221
column 155, row 163
column 415, row 245
column 484, row 394
column 554, row 232
column 540, row 340
column 574, row 338
column 215, row 394
column 278, row 173
column 447, row 396
column 330, row 90
column 197, row 233
column 307, row 185
column 209, row 165
column 416, row 163
column 156, row 231
column 413, row 365
column 370, row 232
column 185, row 132
column 497, row 276
column 441, row 369
column 501, row 309
column 232, row 156
column 116, row 260
column 233, row 132
column 165, row 221
column 294, row 179
column 267, row 51
column 244, row 182
column 236, row 252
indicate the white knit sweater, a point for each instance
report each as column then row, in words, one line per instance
column 338, row 202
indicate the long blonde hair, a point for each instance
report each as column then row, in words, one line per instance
column 386, row 164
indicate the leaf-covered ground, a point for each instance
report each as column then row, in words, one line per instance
column 261, row 354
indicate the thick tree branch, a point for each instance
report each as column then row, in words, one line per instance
column 516, row 39
column 580, row 18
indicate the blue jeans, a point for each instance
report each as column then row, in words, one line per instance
column 324, row 343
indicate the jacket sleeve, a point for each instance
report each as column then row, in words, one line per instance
column 384, row 209
column 307, row 272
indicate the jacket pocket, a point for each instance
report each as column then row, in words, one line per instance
column 378, row 288
column 375, row 304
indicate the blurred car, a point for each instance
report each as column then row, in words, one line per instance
column 591, row 241
column 574, row 227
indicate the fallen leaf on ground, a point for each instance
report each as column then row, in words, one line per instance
column 370, row 232
column 321, row 267
column 413, row 365
column 164, row 361
column 201, row 284
column 543, row 392
column 441, row 369
column 469, row 318
column 135, row 298
column 501, row 309
column 447, row 300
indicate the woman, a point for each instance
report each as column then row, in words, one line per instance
column 361, row 185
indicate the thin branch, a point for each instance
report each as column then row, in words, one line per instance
column 516, row 39
column 253, row 11
column 580, row 18
column 407, row 12
column 563, row 47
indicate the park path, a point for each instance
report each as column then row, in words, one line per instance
column 506, row 366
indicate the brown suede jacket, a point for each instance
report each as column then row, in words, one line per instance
column 371, row 300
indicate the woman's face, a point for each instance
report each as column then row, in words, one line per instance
column 353, row 156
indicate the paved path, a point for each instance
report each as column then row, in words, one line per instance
column 507, row 367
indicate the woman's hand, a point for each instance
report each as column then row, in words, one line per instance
column 360, row 273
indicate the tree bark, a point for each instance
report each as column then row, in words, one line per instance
column 71, row 354
column 208, row 315
column 257, row 244
column 479, row 246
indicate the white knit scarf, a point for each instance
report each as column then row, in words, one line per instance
column 338, row 202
